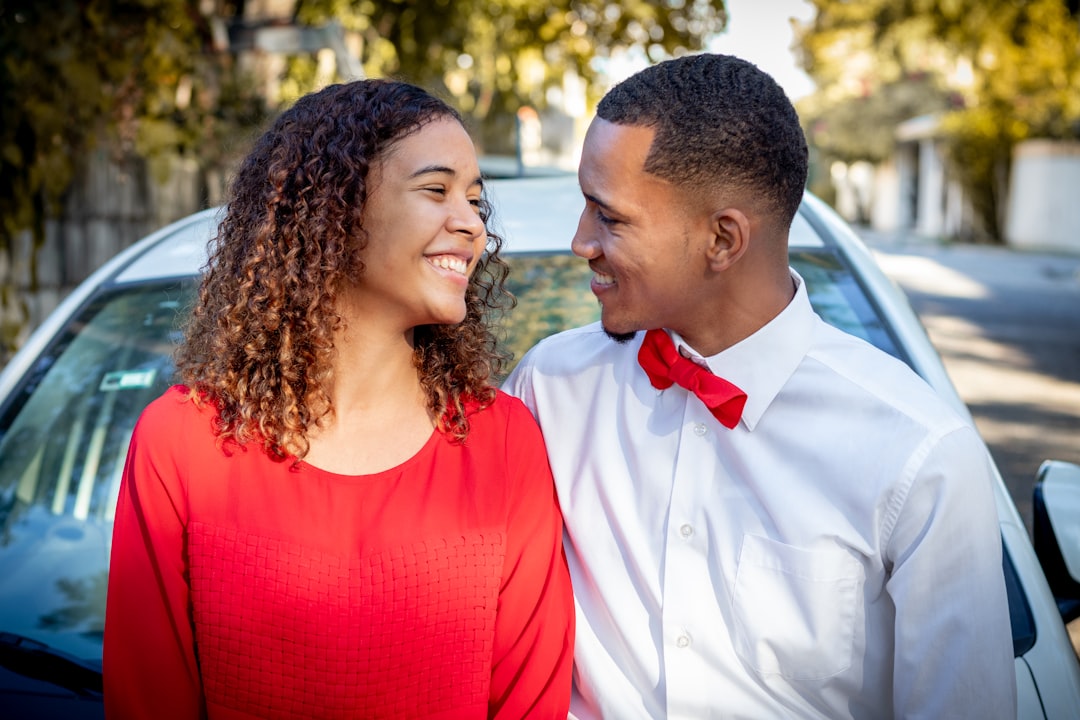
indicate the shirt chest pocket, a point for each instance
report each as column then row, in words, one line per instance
column 794, row 609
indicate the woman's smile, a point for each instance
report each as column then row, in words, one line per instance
column 452, row 263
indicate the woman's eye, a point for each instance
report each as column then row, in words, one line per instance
column 604, row 219
column 437, row 190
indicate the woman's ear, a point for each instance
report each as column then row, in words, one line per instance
column 729, row 238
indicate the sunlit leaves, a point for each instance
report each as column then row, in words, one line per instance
column 138, row 73
column 494, row 56
column 553, row 295
column 1014, row 66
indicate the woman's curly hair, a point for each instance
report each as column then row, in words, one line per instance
column 260, row 339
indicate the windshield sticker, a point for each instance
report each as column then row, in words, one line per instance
column 127, row 380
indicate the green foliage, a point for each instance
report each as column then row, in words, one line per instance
column 144, row 77
column 495, row 56
column 143, row 73
column 137, row 73
column 1013, row 66
column 863, row 127
column 553, row 294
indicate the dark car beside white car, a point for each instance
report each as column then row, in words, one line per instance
column 70, row 397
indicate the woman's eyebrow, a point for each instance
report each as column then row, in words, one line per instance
column 432, row 169
column 442, row 169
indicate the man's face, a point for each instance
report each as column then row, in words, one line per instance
column 642, row 239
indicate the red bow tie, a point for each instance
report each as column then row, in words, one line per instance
column 665, row 366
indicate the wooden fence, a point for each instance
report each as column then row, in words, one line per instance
column 111, row 205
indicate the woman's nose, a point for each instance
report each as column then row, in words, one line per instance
column 465, row 219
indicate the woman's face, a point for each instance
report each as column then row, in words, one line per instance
column 425, row 235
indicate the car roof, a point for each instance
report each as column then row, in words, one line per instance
column 541, row 215
column 531, row 214
column 177, row 250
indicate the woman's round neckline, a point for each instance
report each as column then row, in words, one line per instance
column 424, row 450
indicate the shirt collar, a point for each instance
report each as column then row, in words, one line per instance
column 761, row 364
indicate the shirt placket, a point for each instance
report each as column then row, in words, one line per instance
column 686, row 575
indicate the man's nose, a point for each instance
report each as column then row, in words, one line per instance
column 584, row 243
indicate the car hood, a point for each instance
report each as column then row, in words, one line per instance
column 55, row 574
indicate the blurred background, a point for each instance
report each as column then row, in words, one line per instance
column 118, row 116
column 946, row 131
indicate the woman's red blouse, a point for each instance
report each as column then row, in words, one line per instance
column 241, row 586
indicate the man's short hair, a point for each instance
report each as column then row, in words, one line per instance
column 720, row 122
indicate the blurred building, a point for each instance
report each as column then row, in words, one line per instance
column 1043, row 211
column 914, row 192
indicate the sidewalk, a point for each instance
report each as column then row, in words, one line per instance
column 905, row 239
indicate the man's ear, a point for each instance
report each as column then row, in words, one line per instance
column 729, row 238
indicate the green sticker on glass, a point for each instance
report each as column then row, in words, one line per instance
column 127, row 380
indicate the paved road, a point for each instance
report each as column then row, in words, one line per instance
column 1007, row 324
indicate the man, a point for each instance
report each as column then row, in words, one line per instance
column 825, row 544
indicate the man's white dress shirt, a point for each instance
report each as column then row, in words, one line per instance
column 835, row 555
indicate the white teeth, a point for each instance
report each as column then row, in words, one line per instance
column 449, row 262
column 603, row 279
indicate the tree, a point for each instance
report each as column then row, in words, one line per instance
column 155, row 78
column 136, row 76
column 494, row 56
column 862, row 127
column 1004, row 71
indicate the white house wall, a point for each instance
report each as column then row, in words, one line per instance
column 1044, row 207
column 930, row 208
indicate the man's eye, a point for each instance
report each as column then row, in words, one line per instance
column 604, row 219
column 438, row 190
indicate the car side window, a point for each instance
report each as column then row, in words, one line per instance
column 553, row 294
column 839, row 299
column 65, row 432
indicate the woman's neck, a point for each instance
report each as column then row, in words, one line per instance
column 380, row 415
column 371, row 369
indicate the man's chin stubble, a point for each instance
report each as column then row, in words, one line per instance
column 621, row 338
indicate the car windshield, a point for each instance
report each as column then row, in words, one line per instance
column 553, row 294
column 64, row 438
column 64, row 433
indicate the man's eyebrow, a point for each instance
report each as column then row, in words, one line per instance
column 443, row 170
column 597, row 201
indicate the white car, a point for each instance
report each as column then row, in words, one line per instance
column 70, row 397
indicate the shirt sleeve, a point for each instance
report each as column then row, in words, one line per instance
column 149, row 663
column 953, row 638
column 534, row 630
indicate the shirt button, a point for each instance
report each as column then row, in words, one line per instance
column 683, row 641
column 700, row 429
column 686, row 530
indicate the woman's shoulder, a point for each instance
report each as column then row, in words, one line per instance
column 175, row 413
column 508, row 438
column 503, row 421
column 502, row 408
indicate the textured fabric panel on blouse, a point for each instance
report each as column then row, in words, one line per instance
column 285, row 631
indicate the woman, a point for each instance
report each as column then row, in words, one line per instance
column 337, row 515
